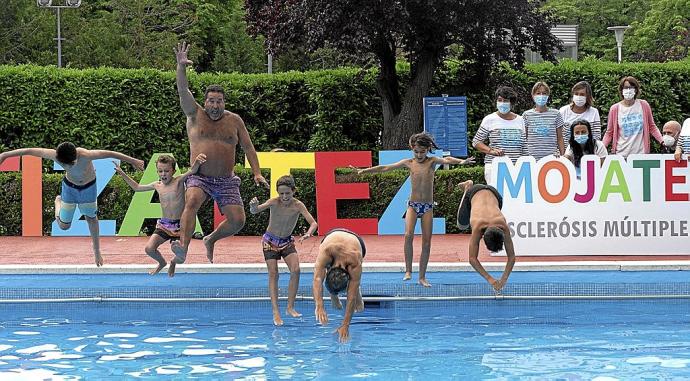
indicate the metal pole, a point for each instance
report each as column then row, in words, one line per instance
column 620, row 54
column 270, row 63
column 59, row 39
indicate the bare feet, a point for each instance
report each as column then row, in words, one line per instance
column 209, row 248
column 497, row 284
column 293, row 313
column 178, row 249
column 465, row 185
column 424, row 282
column 408, row 276
column 58, row 203
column 335, row 302
column 99, row 259
column 277, row 320
column 359, row 307
column 171, row 269
column 158, row 269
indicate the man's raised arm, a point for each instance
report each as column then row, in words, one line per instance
column 187, row 100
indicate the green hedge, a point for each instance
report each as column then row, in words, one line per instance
column 115, row 199
column 137, row 111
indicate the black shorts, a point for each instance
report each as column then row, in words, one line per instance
column 465, row 208
column 270, row 252
column 361, row 241
column 165, row 235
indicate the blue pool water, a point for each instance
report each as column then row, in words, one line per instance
column 639, row 339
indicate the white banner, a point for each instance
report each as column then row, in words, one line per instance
column 636, row 207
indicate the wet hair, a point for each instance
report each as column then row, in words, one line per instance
column 578, row 152
column 424, row 140
column 633, row 82
column 589, row 99
column 493, row 238
column 214, row 89
column 286, row 180
column 66, row 153
column 166, row 159
column 508, row 93
column 337, row 280
column 541, row 84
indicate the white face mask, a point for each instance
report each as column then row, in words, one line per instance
column 628, row 94
column 669, row 140
column 579, row 100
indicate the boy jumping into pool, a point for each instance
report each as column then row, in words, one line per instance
column 171, row 193
column 339, row 263
column 78, row 184
column 480, row 208
column 421, row 202
column 278, row 242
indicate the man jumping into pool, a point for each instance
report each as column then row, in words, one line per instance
column 216, row 132
column 339, row 262
column 480, row 208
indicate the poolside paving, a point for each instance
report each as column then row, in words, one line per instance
column 448, row 249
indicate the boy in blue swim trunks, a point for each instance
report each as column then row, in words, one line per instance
column 171, row 193
column 78, row 185
column 278, row 242
column 421, row 200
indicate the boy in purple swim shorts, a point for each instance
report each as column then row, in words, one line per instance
column 171, row 194
column 278, row 243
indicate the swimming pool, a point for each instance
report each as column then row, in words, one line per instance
column 523, row 335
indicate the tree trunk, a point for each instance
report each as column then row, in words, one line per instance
column 408, row 120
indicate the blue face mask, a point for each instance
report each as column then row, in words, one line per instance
column 581, row 139
column 503, row 107
column 540, row 100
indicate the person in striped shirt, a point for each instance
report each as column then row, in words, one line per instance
column 683, row 146
column 504, row 130
column 544, row 126
column 581, row 108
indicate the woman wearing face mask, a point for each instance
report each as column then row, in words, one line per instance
column 582, row 143
column 504, row 130
column 543, row 125
column 581, row 107
column 630, row 122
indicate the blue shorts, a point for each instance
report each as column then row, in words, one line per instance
column 73, row 195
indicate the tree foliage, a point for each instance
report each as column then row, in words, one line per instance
column 131, row 34
column 660, row 29
column 419, row 31
column 664, row 34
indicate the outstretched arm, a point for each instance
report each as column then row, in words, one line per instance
column 310, row 219
column 381, row 168
column 44, row 153
column 105, row 154
column 255, row 208
column 510, row 251
column 453, row 160
column 187, row 100
column 130, row 181
column 317, row 287
column 200, row 159
column 352, row 295
column 474, row 257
